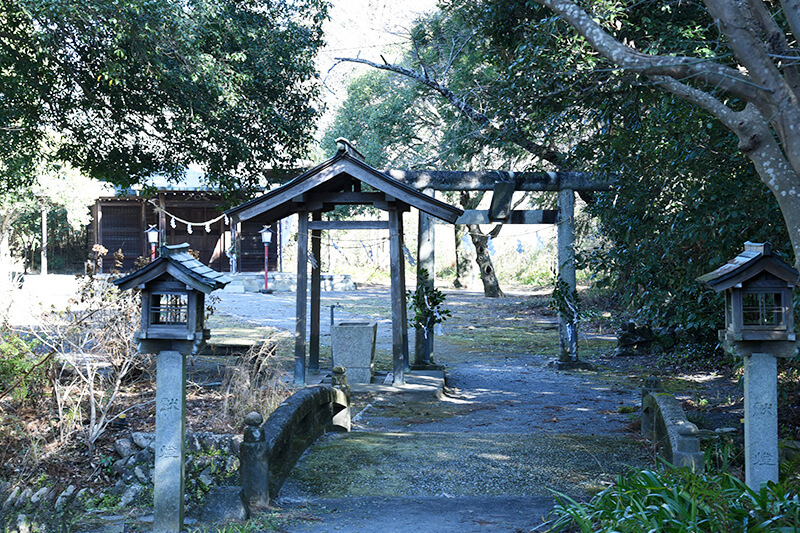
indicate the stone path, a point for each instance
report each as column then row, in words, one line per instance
column 485, row 457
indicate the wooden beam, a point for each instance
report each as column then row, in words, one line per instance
column 444, row 180
column 502, row 195
column 403, row 306
column 311, row 205
column 348, row 224
column 316, row 282
column 302, row 294
column 534, row 216
column 346, row 198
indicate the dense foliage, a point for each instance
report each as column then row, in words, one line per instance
column 679, row 500
column 135, row 87
column 684, row 204
column 686, row 200
column 379, row 115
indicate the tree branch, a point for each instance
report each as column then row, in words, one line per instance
column 510, row 131
column 777, row 44
column 455, row 52
column 723, row 113
column 791, row 10
column 705, row 72
column 749, row 50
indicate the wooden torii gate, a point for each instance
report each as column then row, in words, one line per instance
column 503, row 185
column 338, row 181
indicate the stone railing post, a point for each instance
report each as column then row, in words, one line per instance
column 686, row 451
column 339, row 381
column 254, row 465
column 652, row 385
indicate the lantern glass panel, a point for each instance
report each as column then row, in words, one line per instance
column 762, row 309
column 169, row 309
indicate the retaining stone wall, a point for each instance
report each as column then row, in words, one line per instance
column 211, row 460
column 23, row 510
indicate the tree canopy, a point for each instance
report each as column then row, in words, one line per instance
column 524, row 82
column 742, row 70
column 130, row 88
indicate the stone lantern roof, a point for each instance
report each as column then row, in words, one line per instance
column 176, row 261
column 756, row 258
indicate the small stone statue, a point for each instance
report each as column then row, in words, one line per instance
column 634, row 340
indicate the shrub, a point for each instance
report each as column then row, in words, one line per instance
column 255, row 383
column 95, row 354
column 17, row 364
column 680, row 500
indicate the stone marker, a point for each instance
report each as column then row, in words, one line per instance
column 170, row 447
column 353, row 347
column 761, row 419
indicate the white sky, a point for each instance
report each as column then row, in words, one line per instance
column 366, row 29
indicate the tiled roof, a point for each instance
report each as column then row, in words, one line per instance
column 177, row 257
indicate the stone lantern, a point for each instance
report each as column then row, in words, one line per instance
column 759, row 326
column 173, row 289
column 173, row 300
column 758, row 300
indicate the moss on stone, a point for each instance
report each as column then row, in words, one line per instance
column 423, row 412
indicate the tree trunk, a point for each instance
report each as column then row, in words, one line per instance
column 44, row 240
column 463, row 258
column 491, row 287
column 8, row 279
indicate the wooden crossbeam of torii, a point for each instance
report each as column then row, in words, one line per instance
column 447, row 180
column 503, row 185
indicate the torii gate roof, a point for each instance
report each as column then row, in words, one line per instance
column 338, row 175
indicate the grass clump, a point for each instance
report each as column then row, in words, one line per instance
column 681, row 500
column 256, row 383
